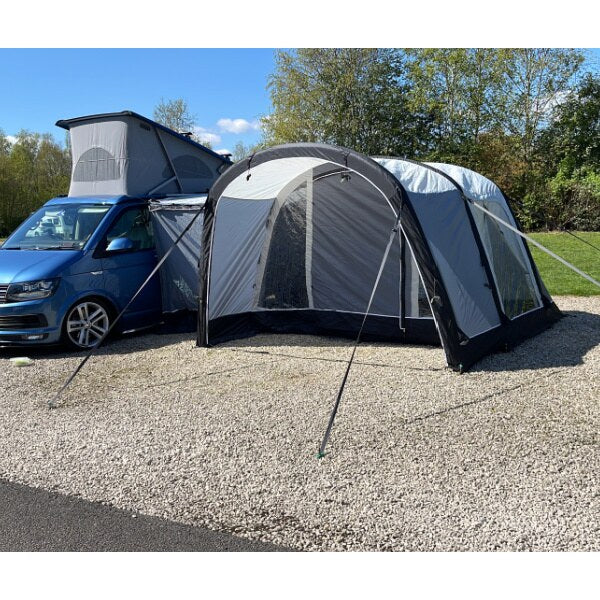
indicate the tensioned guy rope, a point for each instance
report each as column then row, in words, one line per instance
column 530, row 239
column 581, row 239
column 321, row 453
column 52, row 402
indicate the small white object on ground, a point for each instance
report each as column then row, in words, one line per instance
column 21, row 361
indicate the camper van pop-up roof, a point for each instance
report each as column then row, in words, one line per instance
column 125, row 153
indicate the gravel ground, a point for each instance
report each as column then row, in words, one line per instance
column 505, row 457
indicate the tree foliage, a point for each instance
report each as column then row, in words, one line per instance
column 175, row 114
column 33, row 169
column 570, row 154
column 456, row 87
column 241, row 150
column 354, row 97
column 572, row 139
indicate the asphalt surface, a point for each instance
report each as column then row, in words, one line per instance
column 35, row 520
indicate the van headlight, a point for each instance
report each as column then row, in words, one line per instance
column 31, row 290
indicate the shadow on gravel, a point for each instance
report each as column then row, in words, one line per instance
column 562, row 345
column 357, row 361
column 174, row 329
column 469, row 403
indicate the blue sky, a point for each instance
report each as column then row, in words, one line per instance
column 225, row 88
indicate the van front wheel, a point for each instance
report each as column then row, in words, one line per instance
column 86, row 324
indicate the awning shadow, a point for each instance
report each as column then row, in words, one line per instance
column 565, row 344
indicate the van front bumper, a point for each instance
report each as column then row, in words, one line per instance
column 26, row 323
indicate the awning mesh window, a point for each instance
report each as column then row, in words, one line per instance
column 284, row 278
column 515, row 287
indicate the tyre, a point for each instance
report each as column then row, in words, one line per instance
column 86, row 323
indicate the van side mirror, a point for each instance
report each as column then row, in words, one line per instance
column 120, row 244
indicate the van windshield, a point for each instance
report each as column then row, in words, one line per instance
column 57, row 227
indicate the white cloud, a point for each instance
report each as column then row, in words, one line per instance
column 237, row 125
column 223, row 151
column 204, row 136
column 11, row 139
column 548, row 103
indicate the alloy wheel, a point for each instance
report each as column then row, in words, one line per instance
column 87, row 324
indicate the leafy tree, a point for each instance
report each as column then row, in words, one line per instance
column 4, row 151
column 572, row 140
column 4, row 144
column 456, row 87
column 32, row 170
column 354, row 97
column 241, row 150
column 574, row 200
column 51, row 168
column 491, row 108
column 510, row 114
column 569, row 195
column 175, row 115
column 534, row 80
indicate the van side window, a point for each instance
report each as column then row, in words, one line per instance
column 134, row 224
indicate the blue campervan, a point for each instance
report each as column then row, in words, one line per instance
column 73, row 265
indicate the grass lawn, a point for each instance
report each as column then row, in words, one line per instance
column 560, row 280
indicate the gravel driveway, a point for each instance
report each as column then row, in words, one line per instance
column 505, row 457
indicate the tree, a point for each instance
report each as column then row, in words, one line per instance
column 241, row 150
column 4, row 176
column 353, row 97
column 534, row 80
column 570, row 150
column 4, row 144
column 51, row 168
column 508, row 113
column 490, row 109
column 32, row 170
column 457, row 87
column 175, row 115
column 572, row 140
